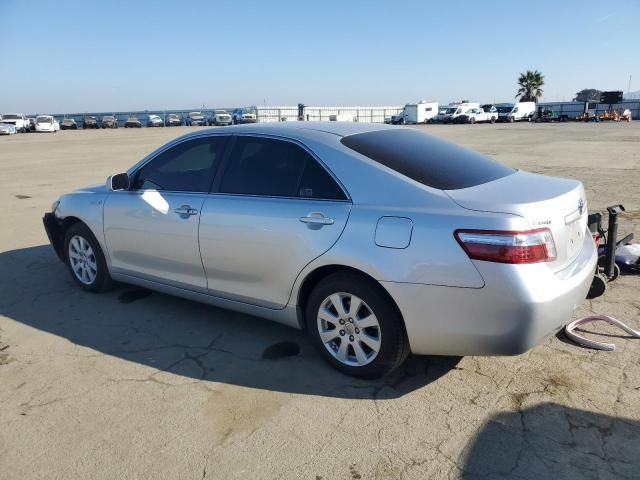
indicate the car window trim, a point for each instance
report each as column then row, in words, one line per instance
column 177, row 142
column 223, row 168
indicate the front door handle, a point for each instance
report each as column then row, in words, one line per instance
column 316, row 218
column 186, row 211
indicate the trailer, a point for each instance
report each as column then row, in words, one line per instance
column 421, row 112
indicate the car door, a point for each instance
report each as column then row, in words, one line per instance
column 274, row 209
column 151, row 230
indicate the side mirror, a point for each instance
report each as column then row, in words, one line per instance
column 119, row 181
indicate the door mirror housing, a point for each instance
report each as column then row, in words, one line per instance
column 119, row 181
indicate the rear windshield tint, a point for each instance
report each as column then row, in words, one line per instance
column 426, row 159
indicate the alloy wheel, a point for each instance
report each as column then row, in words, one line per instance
column 349, row 329
column 82, row 260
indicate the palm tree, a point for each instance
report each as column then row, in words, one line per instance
column 530, row 83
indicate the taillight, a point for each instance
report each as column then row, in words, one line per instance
column 528, row 246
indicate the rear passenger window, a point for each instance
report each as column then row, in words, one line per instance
column 269, row 167
column 317, row 183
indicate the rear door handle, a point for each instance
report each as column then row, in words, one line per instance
column 186, row 211
column 316, row 218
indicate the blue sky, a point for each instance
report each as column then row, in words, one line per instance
column 75, row 56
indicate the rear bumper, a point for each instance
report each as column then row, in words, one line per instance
column 54, row 232
column 519, row 306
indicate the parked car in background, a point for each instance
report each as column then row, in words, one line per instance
column 508, row 112
column 195, row 118
column 244, row 115
column 173, row 120
column 7, row 128
column 109, row 121
column 90, row 122
column 462, row 109
column 68, row 124
column 486, row 113
column 461, row 256
column 32, row 124
column 132, row 122
column 155, row 121
column 442, row 114
column 220, row 118
column 18, row 120
column 47, row 123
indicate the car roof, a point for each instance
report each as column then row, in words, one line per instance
column 295, row 129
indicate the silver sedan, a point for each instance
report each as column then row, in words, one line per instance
column 378, row 240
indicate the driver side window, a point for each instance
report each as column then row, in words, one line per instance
column 186, row 167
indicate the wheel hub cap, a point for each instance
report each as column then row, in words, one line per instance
column 82, row 260
column 349, row 329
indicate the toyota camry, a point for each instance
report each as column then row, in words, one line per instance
column 378, row 240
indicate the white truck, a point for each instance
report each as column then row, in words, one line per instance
column 421, row 112
column 18, row 120
column 460, row 109
column 508, row 112
column 485, row 113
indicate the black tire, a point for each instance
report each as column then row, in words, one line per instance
column 598, row 286
column 394, row 345
column 511, row 120
column 102, row 281
column 472, row 120
column 493, row 119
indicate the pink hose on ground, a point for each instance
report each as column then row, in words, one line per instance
column 569, row 331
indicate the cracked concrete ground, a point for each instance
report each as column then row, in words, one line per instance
column 133, row 384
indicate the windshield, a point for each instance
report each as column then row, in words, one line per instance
column 108, row 118
column 154, row 117
column 90, row 119
column 221, row 112
column 173, row 115
column 505, row 109
column 43, row 120
column 132, row 119
column 195, row 114
column 11, row 117
column 68, row 120
column 450, row 111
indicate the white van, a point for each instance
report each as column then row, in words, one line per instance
column 421, row 112
column 462, row 109
column 508, row 112
column 452, row 111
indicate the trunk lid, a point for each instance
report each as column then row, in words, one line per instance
column 558, row 204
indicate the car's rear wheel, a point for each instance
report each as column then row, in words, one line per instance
column 356, row 326
column 85, row 259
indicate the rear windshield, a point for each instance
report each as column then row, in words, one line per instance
column 426, row 159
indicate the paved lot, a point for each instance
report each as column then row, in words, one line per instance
column 134, row 384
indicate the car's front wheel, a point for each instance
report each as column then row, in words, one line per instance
column 85, row 259
column 356, row 326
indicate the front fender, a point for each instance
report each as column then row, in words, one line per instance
column 88, row 207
